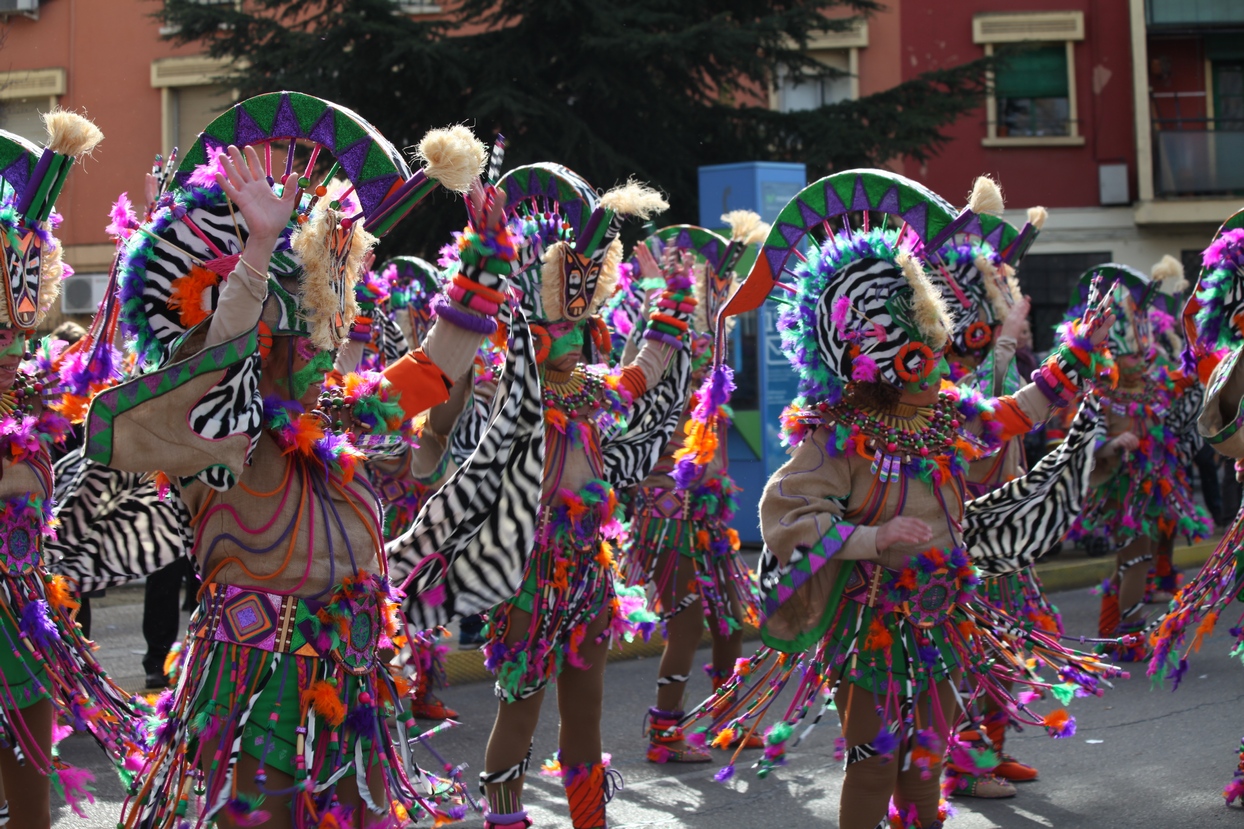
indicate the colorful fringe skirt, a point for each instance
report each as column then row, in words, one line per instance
column 43, row 655
column 1020, row 595
column 1194, row 614
column 569, row 583
column 1133, row 505
column 298, row 685
column 667, row 525
column 895, row 634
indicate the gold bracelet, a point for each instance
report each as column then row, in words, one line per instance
column 264, row 276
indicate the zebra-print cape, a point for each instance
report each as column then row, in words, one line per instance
column 467, row 549
column 630, row 455
column 1014, row 525
column 113, row 526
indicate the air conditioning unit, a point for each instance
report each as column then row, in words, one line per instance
column 10, row 6
column 83, row 293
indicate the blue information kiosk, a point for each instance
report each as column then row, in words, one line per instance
column 766, row 382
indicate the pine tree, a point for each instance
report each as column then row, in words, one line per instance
column 644, row 88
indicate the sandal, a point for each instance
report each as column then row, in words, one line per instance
column 666, row 741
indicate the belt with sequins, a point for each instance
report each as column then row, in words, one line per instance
column 288, row 624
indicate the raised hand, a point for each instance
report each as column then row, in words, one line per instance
column 246, row 184
column 1015, row 319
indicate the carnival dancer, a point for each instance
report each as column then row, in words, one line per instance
column 979, row 284
column 48, row 670
column 115, row 527
column 868, row 570
column 238, row 292
column 1213, row 343
column 680, row 539
column 1168, row 272
column 1136, row 488
column 555, row 497
column 397, row 298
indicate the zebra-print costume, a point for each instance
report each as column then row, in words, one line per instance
column 470, row 543
column 1015, row 524
column 877, row 291
column 113, row 526
column 390, row 341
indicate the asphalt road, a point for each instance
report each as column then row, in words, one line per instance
column 1140, row 757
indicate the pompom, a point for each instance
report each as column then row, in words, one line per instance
column 1037, row 216
column 70, row 133
column 746, row 226
column 986, row 197
column 929, row 310
column 634, row 199
column 453, row 156
column 864, row 369
column 1168, row 272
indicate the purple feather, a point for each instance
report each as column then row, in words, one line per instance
column 36, row 624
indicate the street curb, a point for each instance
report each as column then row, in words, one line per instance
column 1083, row 573
column 463, row 667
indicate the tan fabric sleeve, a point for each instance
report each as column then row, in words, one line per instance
column 450, row 347
column 653, row 358
column 239, row 307
column 804, row 499
column 1003, row 356
column 349, row 356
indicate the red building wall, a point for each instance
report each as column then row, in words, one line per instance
column 106, row 48
column 939, row 34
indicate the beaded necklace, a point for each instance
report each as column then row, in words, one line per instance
column 573, row 392
column 22, row 397
column 1151, row 400
column 896, row 437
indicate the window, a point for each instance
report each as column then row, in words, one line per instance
column 1229, row 95
column 25, row 96
column 192, row 94
column 1050, row 279
column 798, row 92
column 191, row 108
column 24, row 117
column 838, row 50
column 1033, row 90
column 418, row 6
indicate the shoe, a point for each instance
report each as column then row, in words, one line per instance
column 663, row 733
column 1015, row 771
column 748, row 741
column 1160, row 597
column 432, row 710
column 157, row 680
column 985, row 786
column 470, row 641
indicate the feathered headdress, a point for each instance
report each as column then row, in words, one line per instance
column 975, row 270
column 572, row 234
column 32, row 181
column 172, row 268
column 1213, row 318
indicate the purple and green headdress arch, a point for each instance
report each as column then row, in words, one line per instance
column 858, row 306
column 354, row 184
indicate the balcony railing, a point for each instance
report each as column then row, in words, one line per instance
column 1199, row 162
column 1194, row 155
